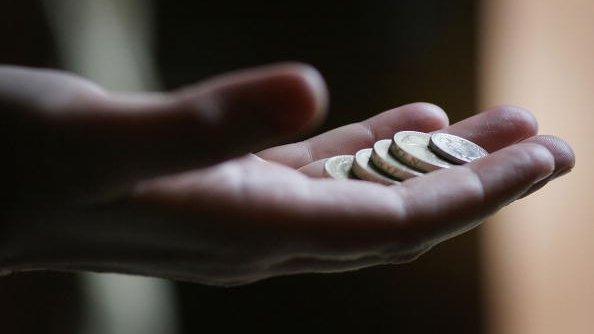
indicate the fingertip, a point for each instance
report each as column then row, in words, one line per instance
column 423, row 116
column 517, row 118
column 436, row 110
column 267, row 102
column 313, row 87
column 287, row 97
column 564, row 156
column 434, row 113
column 564, row 159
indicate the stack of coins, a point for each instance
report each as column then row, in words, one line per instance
column 408, row 154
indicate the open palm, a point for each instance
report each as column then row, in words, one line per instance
column 269, row 214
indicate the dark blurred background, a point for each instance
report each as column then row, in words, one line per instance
column 375, row 55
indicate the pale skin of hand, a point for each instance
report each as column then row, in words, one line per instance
column 160, row 184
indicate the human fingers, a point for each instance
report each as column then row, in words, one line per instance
column 447, row 202
column 351, row 138
column 563, row 154
column 87, row 135
column 497, row 127
column 492, row 129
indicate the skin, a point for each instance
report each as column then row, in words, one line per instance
column 163, row 184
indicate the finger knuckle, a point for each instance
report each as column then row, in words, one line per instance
column 202, row 108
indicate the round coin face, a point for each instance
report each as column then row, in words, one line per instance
column 383, row 160
column 455, row 149
column 364, row 169
column 412, row 148
column 339, row 167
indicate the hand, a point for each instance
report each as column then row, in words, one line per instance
column 270, row 214
column 67, row 140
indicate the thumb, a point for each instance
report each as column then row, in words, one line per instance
column 89, row 139
column 232, row 114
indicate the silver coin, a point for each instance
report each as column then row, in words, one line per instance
column 364, row 169
column 412, row 148
column 382, row 159
column 456, row 149
column 339, row 167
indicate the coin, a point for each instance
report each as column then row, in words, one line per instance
column 383, row 160
column 364, row 169
column 412, row 148
column 339, row 167
column 455, row 149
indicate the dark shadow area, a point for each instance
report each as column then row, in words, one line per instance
column 34, row 302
